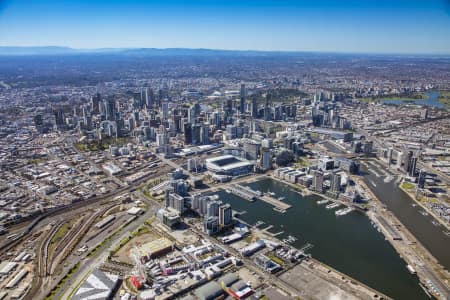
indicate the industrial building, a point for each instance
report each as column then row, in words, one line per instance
column 155, row 248
column 210, row 291
column 98, row 286
column 105, row 221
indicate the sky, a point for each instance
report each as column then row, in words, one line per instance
column 363, row 26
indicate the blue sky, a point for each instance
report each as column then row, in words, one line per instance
column 396, row 26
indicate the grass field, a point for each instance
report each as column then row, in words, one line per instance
column 277, row 260
column 444, row 98
column 408, row 185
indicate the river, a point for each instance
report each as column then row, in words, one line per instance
column 397, row 201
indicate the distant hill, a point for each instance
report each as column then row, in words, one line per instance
column 57, row 50
column 201, row 52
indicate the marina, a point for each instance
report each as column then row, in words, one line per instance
column 352, row 239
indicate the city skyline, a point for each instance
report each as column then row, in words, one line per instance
column 409, row 27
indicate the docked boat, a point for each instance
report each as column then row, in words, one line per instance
column 333, row 205
column 320, row 202
column 447, row 233
column 411, row 269
column 280, row 210
column 424, row 213
column 343, row 211
column 435, row 223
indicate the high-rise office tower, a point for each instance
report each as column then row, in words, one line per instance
column 225, row 215
column 212, row 209
column 335, row 184
column 187, row 128
column 110, row 108
column 59, row 117
column 242, row 102
column 412, row 166
column 196, row 128
column 95, row 104
column 204, row 134
column 318, row 181
column 421, row 179
column 149, row 98
column 267, row 112
column 254, row 108
column 266, row 159
column 164, row 110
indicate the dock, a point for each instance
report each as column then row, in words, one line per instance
column 244, row 192
column 275, row 202
column 267, row 228
column 251, row 195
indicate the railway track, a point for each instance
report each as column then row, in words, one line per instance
column 42, row 259
column 66, row 246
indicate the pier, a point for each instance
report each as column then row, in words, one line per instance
column 249, row 194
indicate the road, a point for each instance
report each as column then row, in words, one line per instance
column 93, row 262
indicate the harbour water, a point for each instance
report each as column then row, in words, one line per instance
column 401, row 205
column 347, row 243
column 433, row 100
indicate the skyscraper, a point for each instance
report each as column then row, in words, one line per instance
column 225, row 215
column 335, row 184
column 267, row 113
column 149, row 97
column 212, row 209
column 164, row 110
column 317, row 184
column 266, row 159
column 95, row 104
column 412, row 166
column 242, row 102
column 187, row 128
column 204, row 134
column 110, row 108
column 254, row 107
column 421, row 179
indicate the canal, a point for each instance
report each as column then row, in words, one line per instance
column 348, row 243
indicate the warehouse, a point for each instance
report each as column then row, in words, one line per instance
column 155, row 248
column 7, row 267
column 98, row 286
column 17, row 279
column 210, row 291
column 105, row 221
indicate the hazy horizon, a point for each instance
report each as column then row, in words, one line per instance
column 349, row 26
column 112, row 50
